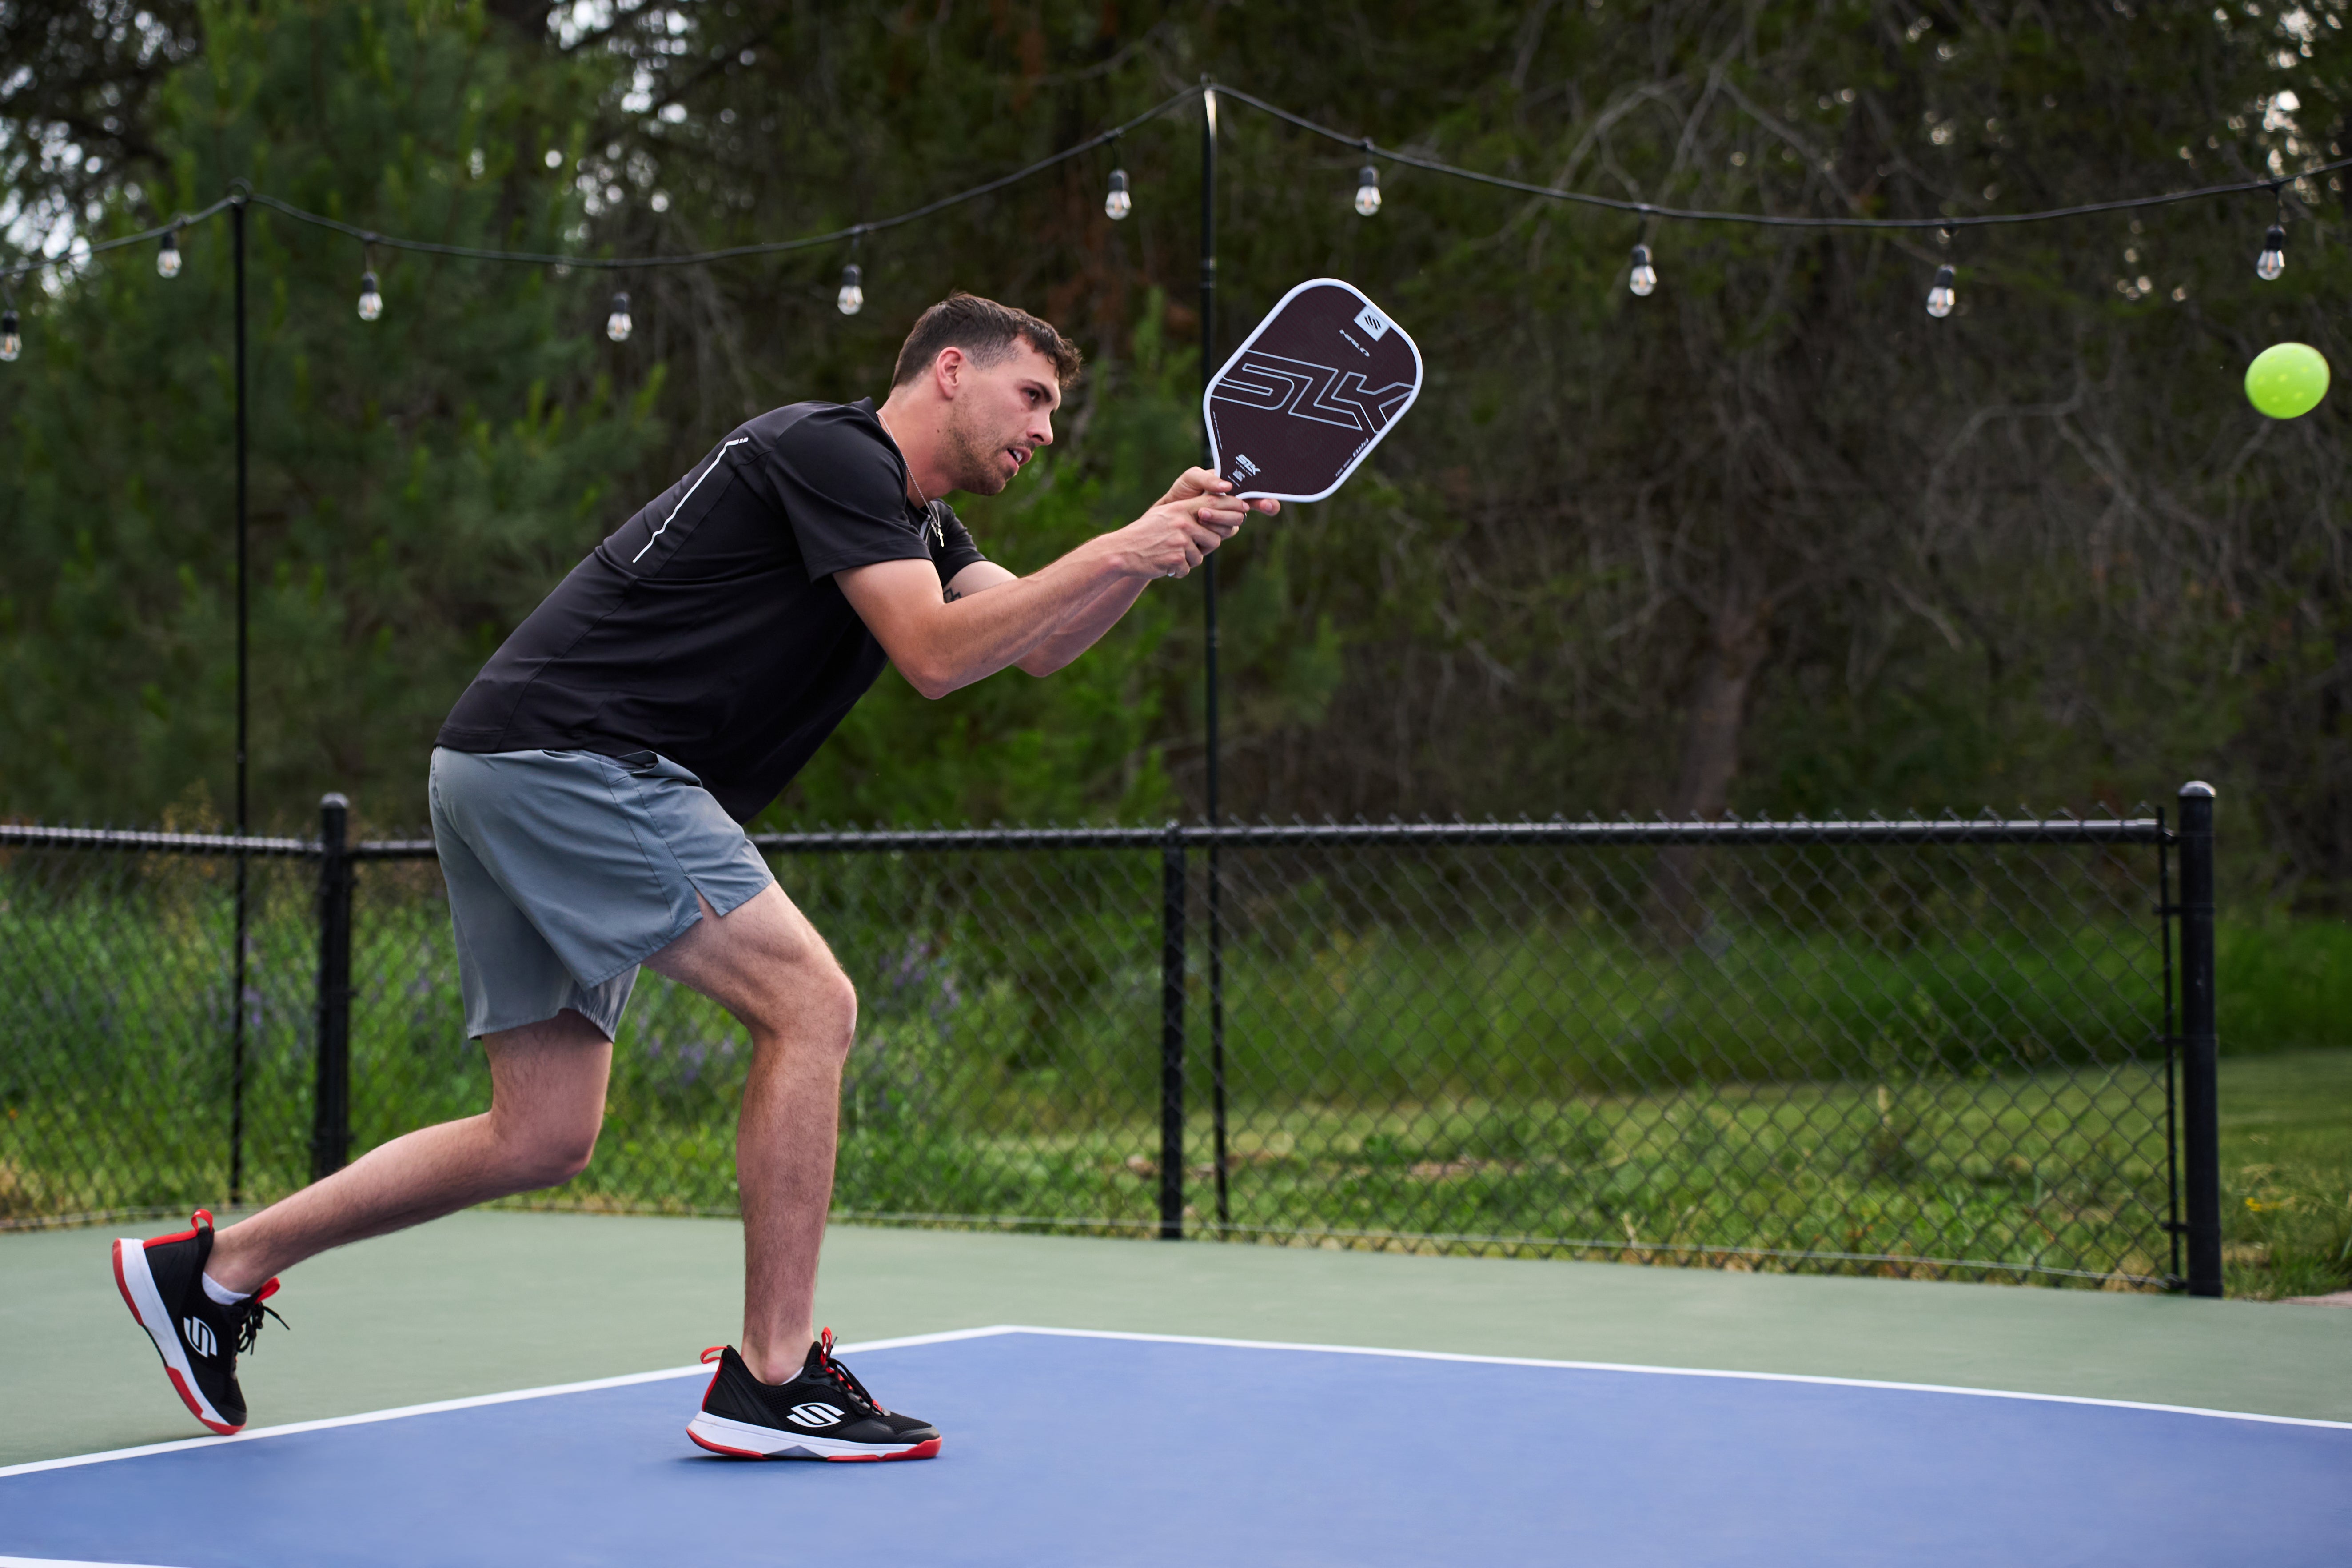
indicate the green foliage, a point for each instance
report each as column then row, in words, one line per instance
column 417, row 483
column 1848, row 1079
column 2286, row 1174
column 2042, row 549
column 2282, row 984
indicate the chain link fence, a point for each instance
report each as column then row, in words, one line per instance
column 1941, row 1049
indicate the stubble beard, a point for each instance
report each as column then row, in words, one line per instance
column 974, row 464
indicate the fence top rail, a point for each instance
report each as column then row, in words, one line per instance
column 28, row 837
column 1952, row 830
column 394, row 849
column 1800, row 831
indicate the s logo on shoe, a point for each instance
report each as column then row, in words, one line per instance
column 816, row 1414
column 199, row 1335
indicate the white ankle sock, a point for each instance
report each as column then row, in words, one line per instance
column 222, row 1296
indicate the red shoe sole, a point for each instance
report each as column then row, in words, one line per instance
column 925, row 1450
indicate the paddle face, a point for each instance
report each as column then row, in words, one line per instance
column 1310, row 394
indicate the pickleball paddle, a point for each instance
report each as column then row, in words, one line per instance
column 1310, row 394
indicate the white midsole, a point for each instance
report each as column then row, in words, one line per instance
column 131, row 1252
column 772, row 1441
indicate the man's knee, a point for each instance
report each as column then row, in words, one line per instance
column 547, row 1151
column 833, row 1004
column 812, row 1002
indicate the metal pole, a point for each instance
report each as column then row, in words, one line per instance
column 236, row 986
column 1208, row 369
column 2200, row 1120
column 330, row 1095
column 1171, row 1036
column 1209, row 613
column 2167, row 912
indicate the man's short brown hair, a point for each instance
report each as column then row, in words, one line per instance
column 985, row 330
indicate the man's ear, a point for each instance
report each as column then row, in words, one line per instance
column 946, row 370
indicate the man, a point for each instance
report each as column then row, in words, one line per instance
column 588, row 792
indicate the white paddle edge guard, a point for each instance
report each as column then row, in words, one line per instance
column 1217, row 458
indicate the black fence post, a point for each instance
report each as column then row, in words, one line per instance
column 331, row 1114
column 2200, row 1120
column 1171, row 1036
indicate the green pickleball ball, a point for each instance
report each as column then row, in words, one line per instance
column 2286, row 380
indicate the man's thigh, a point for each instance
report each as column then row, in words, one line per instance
column 555, row 1069
column 762, row 960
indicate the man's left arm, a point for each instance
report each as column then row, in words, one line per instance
column 1085, row 626
column 1080, row 632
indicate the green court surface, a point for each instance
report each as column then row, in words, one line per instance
column 486, row 1303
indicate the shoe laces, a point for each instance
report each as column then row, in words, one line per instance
column 844, row 1376
column 247, row 1315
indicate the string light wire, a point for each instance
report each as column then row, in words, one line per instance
column 1207, row 93
column 1764, row 220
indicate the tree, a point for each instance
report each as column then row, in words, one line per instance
column 1771, row 539
column 417, row 481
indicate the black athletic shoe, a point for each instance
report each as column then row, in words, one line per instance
column 823, row 1413
column 163, row 1282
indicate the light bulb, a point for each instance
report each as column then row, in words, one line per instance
column 852, row 297
column 1368, row 191
column 167, row 260
column 12, row 343
column 1645, row 277
column 1942, row 297
column 1118, row 203
column 617, row 325
column 371, row 301
column 2272, row 260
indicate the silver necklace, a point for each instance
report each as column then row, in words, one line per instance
column 939, row 529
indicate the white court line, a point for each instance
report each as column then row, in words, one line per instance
column 473, row 1402
column 953, row 1334
column 62, row 1562
column 1676, row 1372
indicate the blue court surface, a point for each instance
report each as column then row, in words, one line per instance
column 1074, row 1448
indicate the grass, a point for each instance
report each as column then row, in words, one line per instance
column 2001, row 1175
column 1439, row 1056
column 2286, row 1174
column 2284, row 984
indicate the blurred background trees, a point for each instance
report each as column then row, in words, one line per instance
column 1770, row 539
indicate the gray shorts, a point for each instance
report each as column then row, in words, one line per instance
column 567, row 869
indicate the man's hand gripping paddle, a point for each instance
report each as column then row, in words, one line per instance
column 1310, row 394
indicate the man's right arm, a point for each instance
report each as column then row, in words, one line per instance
column 1085, row 626
column 941, row 646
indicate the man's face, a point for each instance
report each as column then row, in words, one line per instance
column 1002, row 413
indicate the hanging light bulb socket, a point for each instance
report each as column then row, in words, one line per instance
column 2272, row 260
column 167, row 259
column 1943, row 294
column 371, row 297
column 852, row 297
column 1368, row 191
column 617, row 324
column 1119, row 203
column 1643, row 277
column 12, row 341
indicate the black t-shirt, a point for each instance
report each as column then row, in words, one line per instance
column 709, row 627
